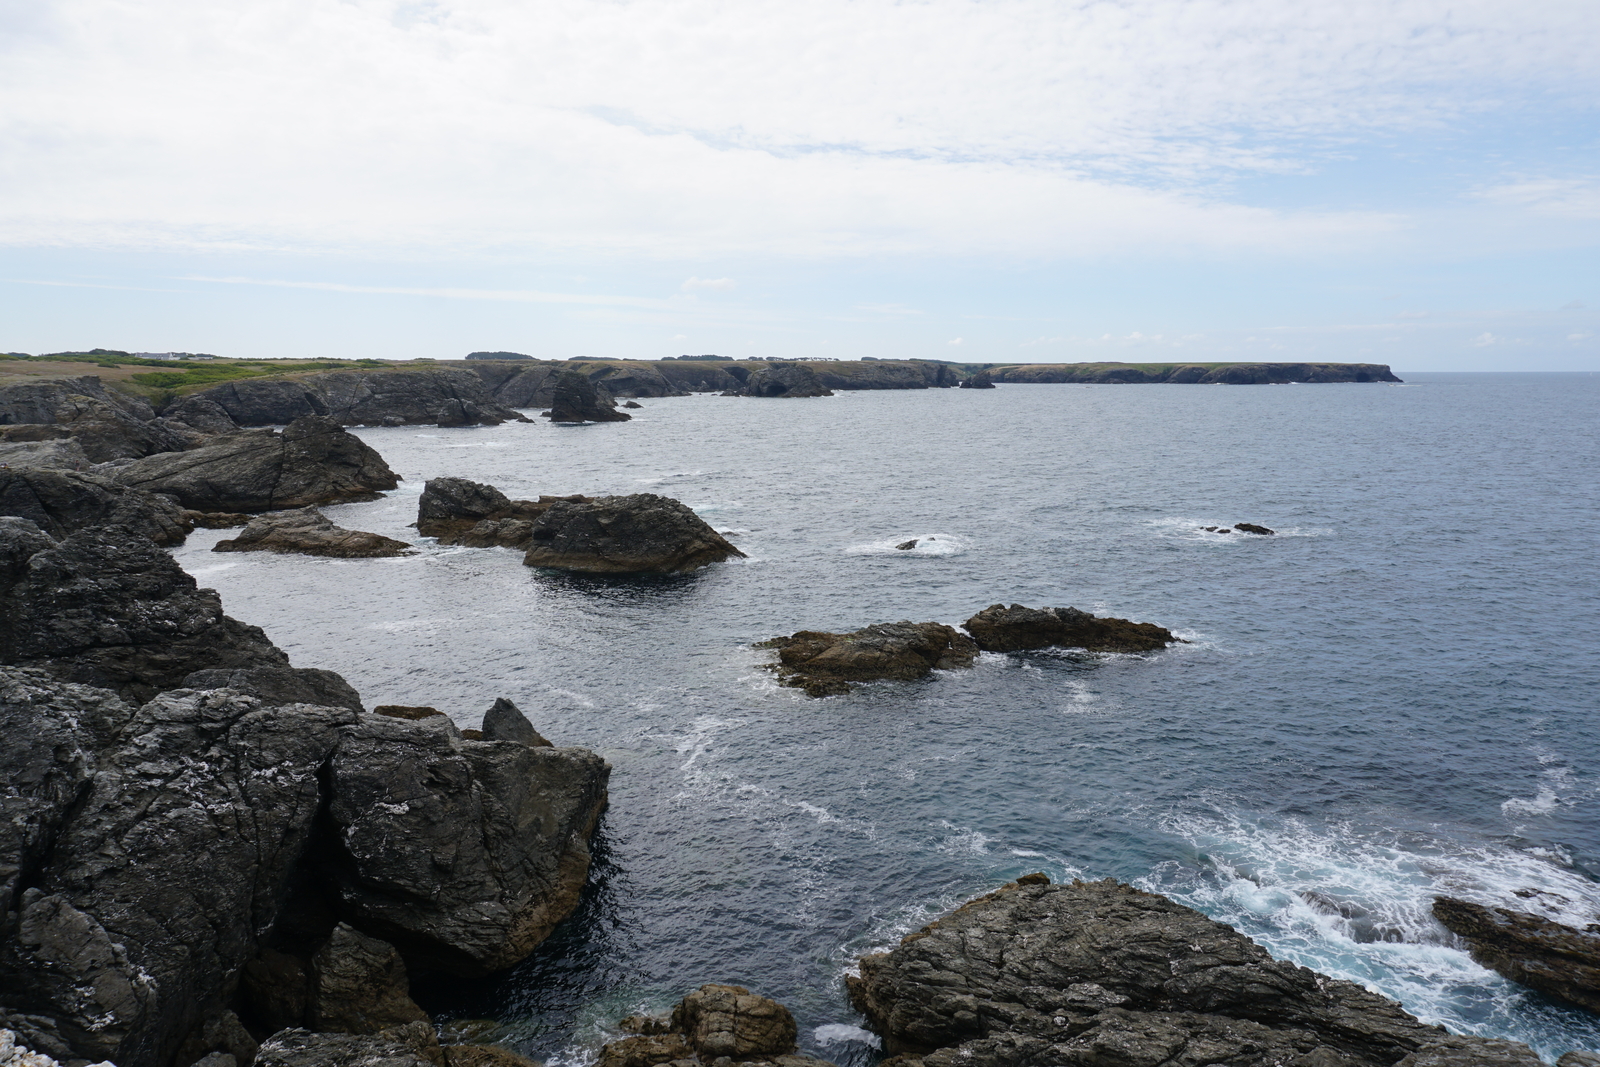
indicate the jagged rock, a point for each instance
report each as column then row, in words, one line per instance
column 642, row 533
column 1252, row 528
column 632, row 405
column 280, row 685
column 359, row 985
column 412, row 1045
column 60, row 453
column 277, row 986
column 907, row 546
column 824, row 664
column 1529, row 949
column 474, row 1055
column 1098, row 973
column 108, row 608
column 981, row 380
column 1579, row 1058
column 63, row 502
column 413, row 712
column 14, row 1052
column 504, row 721
column 716, row 1024
column 574, row 398
column 309, row 532
column 107, row 424
column 219, row 1041
column 783, row 380
column 355, row 397
column 463, row 854
column 313, row 461
column 1473, row 1052
column 998, row 628
column 464, row 413
column 461, row 512
column 216, row 520
column 200, row 413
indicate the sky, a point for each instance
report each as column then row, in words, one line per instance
column 1411, row 182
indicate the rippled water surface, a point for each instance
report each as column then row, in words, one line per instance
column 1397, row 696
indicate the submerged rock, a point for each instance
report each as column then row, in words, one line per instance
column 309, row 532
column 907, row 546
column 714, row 1024
column 313, row 461
column 639, row 534
column 1252, row 528
column 1529, row 949
column 461, row 512
column 575, row 398
column 998, row 628
column 824, row 664
column 1099, row 973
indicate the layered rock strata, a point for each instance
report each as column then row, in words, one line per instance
column 783, row 380
column 575, row 398
column 312, row 461
column 716, row 1024
column 1100, row 973
column 998, row 628
column 639, row 534
column 462, row 512
column 106, row 424
column 445, row 396
column 309, row 532
column 825, row 664
column 1529, row 949
column 62, row 502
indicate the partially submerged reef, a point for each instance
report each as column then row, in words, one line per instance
column 211, row 857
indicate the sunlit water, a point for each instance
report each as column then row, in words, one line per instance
column 1397, row 696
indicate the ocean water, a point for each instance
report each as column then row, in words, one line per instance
column 1396, row 696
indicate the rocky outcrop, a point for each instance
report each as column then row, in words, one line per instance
column 107, row 607
column 575, row 398
column 57, row 453
column 359, row 985
column 504, row 721
column 1090, row 974
column 413, row 1045
column 62, row 502
column 1252, row 528
column 1195, row 373
column 462, row 512
column 362, row 397
column 1529, row 949
column 639, row 534
column 313, row 461
column 998, row 628
column 280, row 685
column 309, row 532
column 15, row 1053
column 783, row 380
column 824, row 664
column 981, row 380
column 715, row 1024
column 106, row 424
column 463, row 854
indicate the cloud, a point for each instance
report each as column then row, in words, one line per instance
column 688, row 127
column 707, row 283
column 1484, row 340
column 888, row 309
column 954, row 341
column 1564, row 198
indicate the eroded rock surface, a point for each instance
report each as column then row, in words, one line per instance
column 824, row 664
column 1529, row 949
column 714, row 1024
column 359, row 985
column 63, row 502
column 313, row 461
column 413, row 1045
column 783, row 380
column 998, row 628
column 462, row 512
column 981, row 380
column 638, row 534
column 444, row 395
column 105, row 423
column 309, row 532
column 1099, row 973
column 575, row 398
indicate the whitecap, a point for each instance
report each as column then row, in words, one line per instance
column 934, row 544
column 843, row 1033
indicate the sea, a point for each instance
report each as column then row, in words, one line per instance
column 1395, row 696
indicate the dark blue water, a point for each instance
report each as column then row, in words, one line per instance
column 1397, row 696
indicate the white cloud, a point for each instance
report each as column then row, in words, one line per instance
column 954, row 341
column 707, row 283
column 1564, row 198
column 1484, row 340
column 690, row 127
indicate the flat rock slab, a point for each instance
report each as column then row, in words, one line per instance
column 309, row 532
column 639, row 534
column 998, row 628
column 1529, row 949
column 1099, row 973
column 825, row 664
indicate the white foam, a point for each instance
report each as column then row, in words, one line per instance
column 843, row 1033
column 933, row 544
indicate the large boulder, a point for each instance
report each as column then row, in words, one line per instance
column 575, row 398
column 313, row 461
column 107, row 607
column 1529, row 949
column 783, row 380
column 309, row 532
column 1096, row 974
column 824, row 664
column 63, row 502
column 715, row 1024
column 998, row 628
column 357, row 397
column 639, row 534
column 61, row 453
column 359, row 985
column 106, row 424
column 464, row 854
column 280, row 685
column 981, row 380
column 461, row 512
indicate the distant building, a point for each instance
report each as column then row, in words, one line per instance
column 172, row 355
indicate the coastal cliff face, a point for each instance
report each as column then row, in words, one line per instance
column 443, row 396
column 105, row 423
column 1194, row 373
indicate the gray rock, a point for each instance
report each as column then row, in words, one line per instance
column 1529, row 949
column 309, row 532
column 413, row 1045
column 313, row 461
column 642, row 533
column 1473, row 1052
column 359, row 985
column 575, row 398
column 981, row 380
column 475, row 1055
column 504, row 721
column 998, row 628
column 464, row 854
column 108, row 608
column 355, row 397
column 107, row 424
column 63, row 502
column 1100, row 973
column 280, row 685
column 1579, row 1058
column 716, row 1025
column 61, row 453
column 201, row 414
column 825, row 664
column 460, row 512
column 783, row 380
column 220, row 1040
